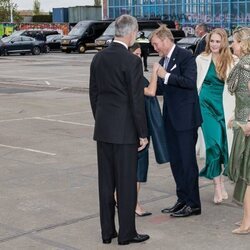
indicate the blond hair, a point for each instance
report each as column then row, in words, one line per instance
column 225, row 58
column 242, row 36
column 162, row 32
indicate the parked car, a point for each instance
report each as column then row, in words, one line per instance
column 189, row 43
column 144, row 25
column 82, row 36
column 53, row 42
column 22, row 45
column 39, row 34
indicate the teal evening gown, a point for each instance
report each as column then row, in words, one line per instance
column 213, row 126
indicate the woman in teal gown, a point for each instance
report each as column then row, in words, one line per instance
column 213, row 66
column 213, row 126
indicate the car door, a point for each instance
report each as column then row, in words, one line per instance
column 14, row 45
column 27, row 43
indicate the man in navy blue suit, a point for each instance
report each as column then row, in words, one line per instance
column 181, row 113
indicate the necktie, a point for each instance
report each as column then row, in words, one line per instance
column 166, row 61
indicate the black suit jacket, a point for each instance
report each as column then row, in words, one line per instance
column 200, row 46
column 117, row 96
column 181, row 102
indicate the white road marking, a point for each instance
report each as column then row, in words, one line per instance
column 28, row 149
column 32, row 118
column 47, row 82
column 54, row 120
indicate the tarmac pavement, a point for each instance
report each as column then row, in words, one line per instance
column 48, row 180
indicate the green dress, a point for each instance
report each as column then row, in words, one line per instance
column 239, row 162
column 213, row 126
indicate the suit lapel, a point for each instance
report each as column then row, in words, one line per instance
column 172, row 61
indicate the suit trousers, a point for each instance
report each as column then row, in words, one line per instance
column 117, row 164
column 184, row 164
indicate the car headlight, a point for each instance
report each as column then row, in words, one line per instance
column 74, row 40
column 109, row 41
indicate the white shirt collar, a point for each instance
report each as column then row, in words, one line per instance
column 124, row 44
column 171, row 52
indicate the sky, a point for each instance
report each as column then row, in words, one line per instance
column 48, row 5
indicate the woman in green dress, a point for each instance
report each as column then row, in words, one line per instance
column 213, row 67
column 239, row 162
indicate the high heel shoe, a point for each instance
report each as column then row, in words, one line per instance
column 224, row 192
column 217, row 194
column 241, row 231
column 238, row 223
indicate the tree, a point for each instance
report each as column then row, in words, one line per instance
column 5, row 11
column 97, row 2
column 36, row 7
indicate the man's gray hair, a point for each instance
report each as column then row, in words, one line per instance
column 124, row 25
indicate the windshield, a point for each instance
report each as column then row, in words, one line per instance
column 7, row 39
column 17, row 33
column 79, row 29
column 110, row 31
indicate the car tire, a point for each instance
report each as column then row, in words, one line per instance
column 81, row 48
column 68, row 51
column 36, row 51
column 46, row 49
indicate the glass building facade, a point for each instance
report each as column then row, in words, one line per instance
column 216, row 13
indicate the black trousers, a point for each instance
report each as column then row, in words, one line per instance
column 117, row 165
column 184, row 164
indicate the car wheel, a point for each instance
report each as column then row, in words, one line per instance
column 68, row 51
column 81, row 48
column 22, row 53
column 36, row 51
column 47, row 49
column 5, row 52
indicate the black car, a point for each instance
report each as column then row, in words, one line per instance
column 53, row 42
column 189, row 43
column 38, row 34
column 22, row 45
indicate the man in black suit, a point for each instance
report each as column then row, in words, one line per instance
column 117, row 102
column 181, row 113
column 201, row 30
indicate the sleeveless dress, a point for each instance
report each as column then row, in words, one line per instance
column 239, row 162
column 213, row 126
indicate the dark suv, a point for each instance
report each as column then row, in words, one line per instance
column 82, row 36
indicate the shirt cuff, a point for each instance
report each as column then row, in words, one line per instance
column 166, row 78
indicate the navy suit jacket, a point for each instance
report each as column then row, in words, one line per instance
column 181, row 101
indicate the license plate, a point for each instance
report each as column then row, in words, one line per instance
column 63, row 47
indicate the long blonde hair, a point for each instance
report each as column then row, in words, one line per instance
column 225, row 58
column 242, row 35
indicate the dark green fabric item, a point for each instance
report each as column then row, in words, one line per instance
column 213, row 126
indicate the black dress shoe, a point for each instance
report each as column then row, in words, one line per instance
column 187, row 211
column 176, row 207
column 137, row 239
column 108, row 240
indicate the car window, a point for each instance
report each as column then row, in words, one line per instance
column 25, row 38
column 16, row 39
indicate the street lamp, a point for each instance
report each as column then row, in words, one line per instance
column 11, row 11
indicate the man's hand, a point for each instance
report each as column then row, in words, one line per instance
column 143, row 143
column 161, row 72
column 245, row 128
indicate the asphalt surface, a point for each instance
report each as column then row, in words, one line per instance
column 48, row 172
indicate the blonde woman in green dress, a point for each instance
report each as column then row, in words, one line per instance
column 213, row 67
column 239, row 163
